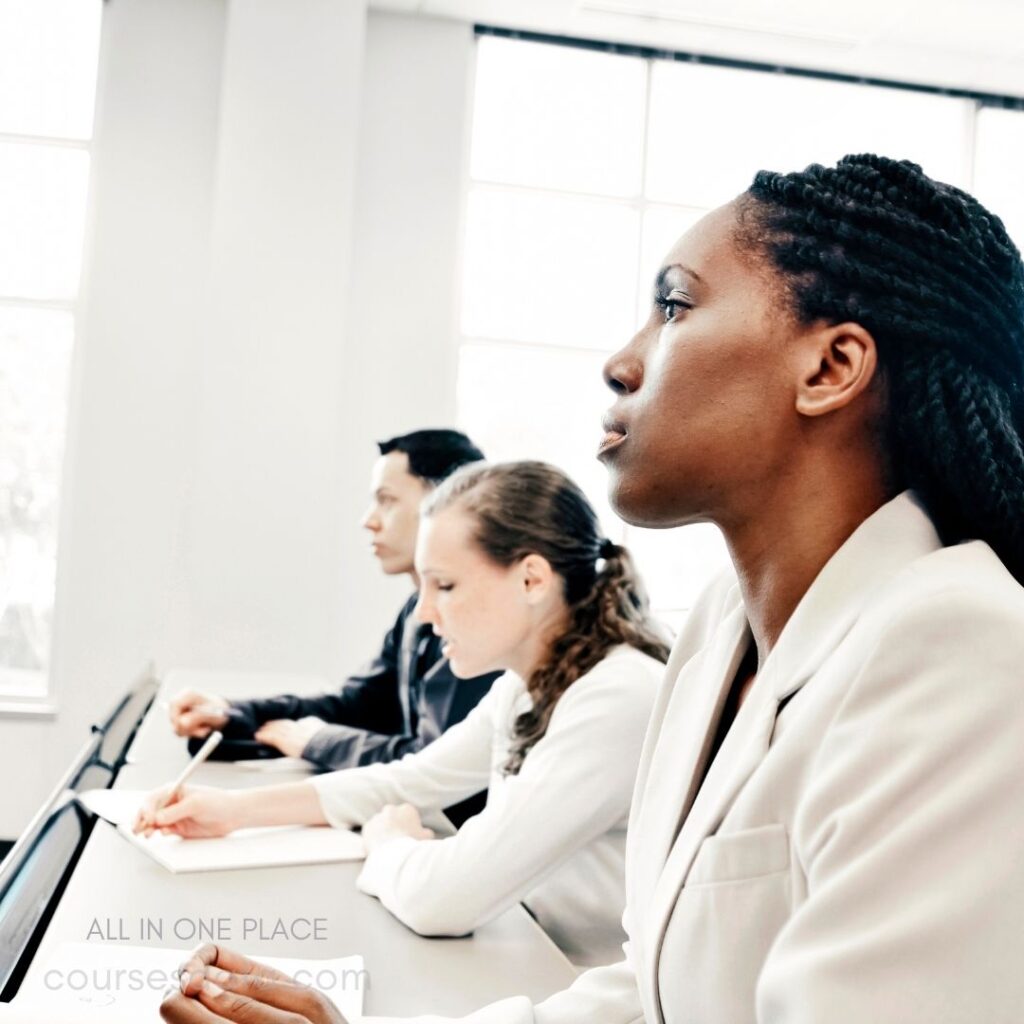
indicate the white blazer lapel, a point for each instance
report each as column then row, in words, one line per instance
column 743, row 749
column 675, row 767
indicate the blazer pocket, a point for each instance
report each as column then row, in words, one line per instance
column 726, row 917
column 736, row 856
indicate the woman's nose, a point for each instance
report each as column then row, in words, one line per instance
column 423, row 611
column 623, row 372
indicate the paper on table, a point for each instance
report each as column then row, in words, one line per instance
column 286, row 846
column 247, row 848
column 118, row 806
column 87, row 981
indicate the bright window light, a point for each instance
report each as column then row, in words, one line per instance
column 42, row 210
column 677, row 565
column 531, row 402
column 589, row 140
column 998, row 159
column 549, row 268
column 48, row 57
column 35, row 355
column 49, row 53
column 712, row 128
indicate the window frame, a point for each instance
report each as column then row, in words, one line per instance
column 18, row 698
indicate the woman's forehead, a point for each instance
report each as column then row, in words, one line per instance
column 447, row 530
column 707, row 248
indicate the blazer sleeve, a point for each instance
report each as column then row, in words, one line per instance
column 605, row 994
column 911, row 832
column 334, row 747
column 368, row 701
column 453, row 767
column 575, row 785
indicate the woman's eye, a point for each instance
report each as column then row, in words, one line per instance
column 670, row 308
column 446, row 587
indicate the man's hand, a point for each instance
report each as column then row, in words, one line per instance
column 218, row 985
column 393, row 822
column 288, row 735
column 197, row 714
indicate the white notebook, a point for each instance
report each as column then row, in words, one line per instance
column 94, row 981
column 282, row 846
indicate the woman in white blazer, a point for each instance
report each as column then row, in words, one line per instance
column 829, row 815
column 514, row 574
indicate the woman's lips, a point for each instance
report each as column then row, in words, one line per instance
column 611, row 439
column 614, row 433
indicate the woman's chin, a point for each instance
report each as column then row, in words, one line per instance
column 629, row 502
column 467, row 668
column 458, row 666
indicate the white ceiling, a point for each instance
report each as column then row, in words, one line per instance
column 976, row 45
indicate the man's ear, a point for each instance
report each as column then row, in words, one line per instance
column 837, row 363
column 536, row 575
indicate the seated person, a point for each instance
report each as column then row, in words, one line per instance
column 407, row 695
column 514, row 575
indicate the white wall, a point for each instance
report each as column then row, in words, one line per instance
column 400, row 371
column 270, row 286
column 263, row 532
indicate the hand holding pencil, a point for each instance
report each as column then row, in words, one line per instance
column 191, row 813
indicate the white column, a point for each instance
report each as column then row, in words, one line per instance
column 408, row 223
column 265, row 526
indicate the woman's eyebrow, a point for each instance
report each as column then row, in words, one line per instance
column 666, row 270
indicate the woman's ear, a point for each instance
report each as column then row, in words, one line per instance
column 537, row 576
column 837, row 363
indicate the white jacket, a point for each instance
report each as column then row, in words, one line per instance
column 552, row 836
column 856, row 852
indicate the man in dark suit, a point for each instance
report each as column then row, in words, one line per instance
column 407, row 695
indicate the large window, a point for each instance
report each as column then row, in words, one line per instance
column 585, row 167
column 48, row 60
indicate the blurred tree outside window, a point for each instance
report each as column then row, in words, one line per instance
column 49, row 53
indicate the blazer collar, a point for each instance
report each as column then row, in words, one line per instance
column 883, row 545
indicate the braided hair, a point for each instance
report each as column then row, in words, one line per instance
column 524, row 508
column 937, row 281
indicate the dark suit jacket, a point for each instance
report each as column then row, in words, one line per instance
column 401, row 701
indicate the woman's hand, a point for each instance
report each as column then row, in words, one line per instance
column 394, row 822
column 288, row 735
column 192, row 812
column 194, row 713
column 218, row 985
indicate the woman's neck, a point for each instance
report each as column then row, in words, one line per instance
column 779, row 551
column 535, row 650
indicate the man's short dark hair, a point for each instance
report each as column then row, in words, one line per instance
column 433, row 454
